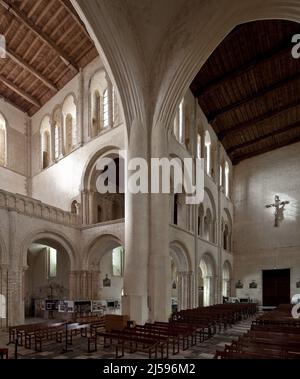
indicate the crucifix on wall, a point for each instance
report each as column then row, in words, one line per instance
column 279, row 208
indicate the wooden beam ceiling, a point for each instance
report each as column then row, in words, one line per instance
column 264, row 150
column 67, row 6
column 263, row 137
column 19, row 91
column 21, row 16
column 20, row 61
column 239, row 128
column 249, row 89
column 248, row 66
column 259, row 95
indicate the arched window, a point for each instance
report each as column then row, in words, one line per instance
column 69, row 112
column 57, row 124
column 45, row 131
column 2, row 306
column 200, row 220
column 208, row 152
column 198, row 146
column 227, row 179
column 225, row 237
column 69, row 133
column 2, row 141
column 96, row 118
column 221, row 176
column 46, row 148
column 74, row 207
column 57, row 140
column 105, row 109
column 208, row 226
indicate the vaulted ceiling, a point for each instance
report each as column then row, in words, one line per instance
column 249, row 89
column 46, row 46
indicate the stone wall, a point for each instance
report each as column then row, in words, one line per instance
column 258, row 245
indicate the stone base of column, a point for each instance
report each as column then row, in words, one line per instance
column 136, row 307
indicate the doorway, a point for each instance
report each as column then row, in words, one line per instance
column 276, row 287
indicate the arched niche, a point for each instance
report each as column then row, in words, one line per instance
column 69, row 113
column 206, row 280
column 181, row 277
column 47, row 276
column 103, row 207
column 105, row 261
column 226, row 279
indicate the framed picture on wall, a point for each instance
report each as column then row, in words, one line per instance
column 106, row 281
column 239, row 284
column 253, row 284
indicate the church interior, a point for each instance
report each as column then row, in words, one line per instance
column 84, row 274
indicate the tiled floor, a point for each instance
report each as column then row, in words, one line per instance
column 205, row 350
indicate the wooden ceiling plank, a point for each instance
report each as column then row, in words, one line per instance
column 23, row 4
column 264, row 150
column 257, row 120
column 231, row 107
column 74, row 15
column 283, row 49
column 19, row 91
column 34, row 7
column 7, row 100
column 45, row 10
column 265, row 136
column 16, row 58
column 13, row 9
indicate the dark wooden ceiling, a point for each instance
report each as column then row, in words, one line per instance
column 46, row 44
column 249, row 89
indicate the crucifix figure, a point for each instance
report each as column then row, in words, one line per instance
column 279, row 208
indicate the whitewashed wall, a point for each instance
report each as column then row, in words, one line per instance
column 258, row 245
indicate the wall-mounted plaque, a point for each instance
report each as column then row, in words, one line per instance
column 239, row 284
column 106, row 281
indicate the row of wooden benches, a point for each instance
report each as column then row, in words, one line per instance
column 38, row 333
column 157, row 340
column 216, row 316
column 184, row 329
column 275, row 335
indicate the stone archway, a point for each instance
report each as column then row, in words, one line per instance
column 103, row 270
column 17, row 277
column 226, row 279
column 207, row 280
column 183, row 277
column 152, row 78
column 98, row 207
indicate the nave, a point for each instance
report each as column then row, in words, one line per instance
column 192, row 343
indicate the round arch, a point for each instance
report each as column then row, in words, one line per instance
column 96, row 207
column 226, row 279
column 92, row 160
column 181, row 279
column 180, row 255
column 100, row 246
column 207, row 273
column 209, row 31
column 53, row 239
